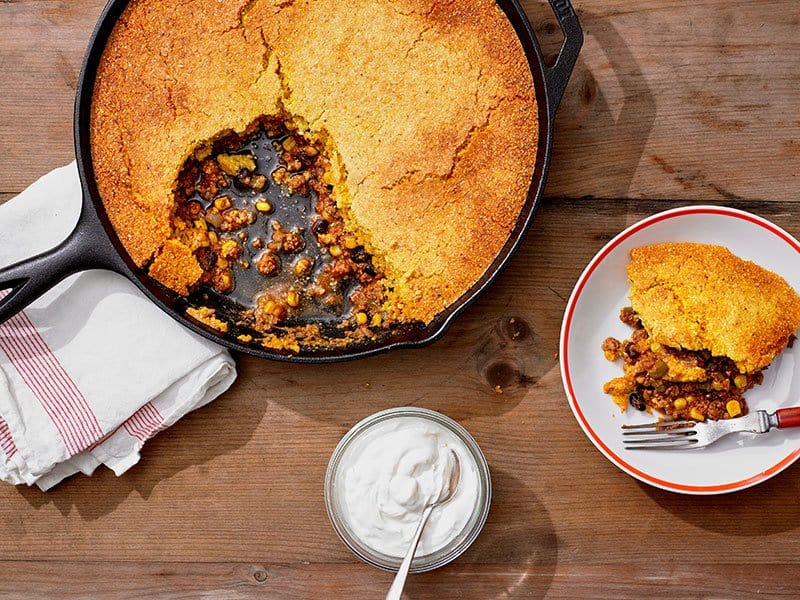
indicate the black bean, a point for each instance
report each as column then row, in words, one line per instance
column 636, row 401
column 206, row 258
column 359, row 255
column 631, row 351
column 320, row 227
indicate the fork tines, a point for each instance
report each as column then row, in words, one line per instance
column 664, row 435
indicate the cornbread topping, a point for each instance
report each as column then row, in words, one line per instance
column 706, row 323
column 392, row 473
column 406, row 131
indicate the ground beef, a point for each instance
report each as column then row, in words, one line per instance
column 679, row 383
column 218, row 194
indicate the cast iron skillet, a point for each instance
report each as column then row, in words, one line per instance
column 94, row 243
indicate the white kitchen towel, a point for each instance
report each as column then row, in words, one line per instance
column 93, row 369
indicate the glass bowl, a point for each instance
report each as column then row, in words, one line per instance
column 334, row 495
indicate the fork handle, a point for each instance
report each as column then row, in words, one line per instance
column 788, row 417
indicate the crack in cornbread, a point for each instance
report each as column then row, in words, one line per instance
column 427, row 108
column 706, row 323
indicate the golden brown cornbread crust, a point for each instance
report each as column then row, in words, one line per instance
column 698, row 296
column 429, row 105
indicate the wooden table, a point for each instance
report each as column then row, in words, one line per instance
column 671, row 102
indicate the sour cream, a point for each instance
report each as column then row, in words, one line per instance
column 390, row 473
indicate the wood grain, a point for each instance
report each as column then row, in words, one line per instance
column 240, row 482
column 671, row 103
column 669, row 99
column 681, row 100
column 244, row 581
column 41, row 52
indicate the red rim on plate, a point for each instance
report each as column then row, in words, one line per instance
column 564, row 354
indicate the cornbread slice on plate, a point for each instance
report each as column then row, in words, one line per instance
column 706, row 323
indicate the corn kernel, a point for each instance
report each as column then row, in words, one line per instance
column 289, row 143
column 302, row 266
column 734, row 408
column 212, row 237
column 230, row 249
column 310, row 151
column 655, row 347
column 269, row 306
column 263, row 206
column 376, row 320
column 679, row 403
column 293, row 299
column 740, row 381
column 335, row 251
column 361, row 318
column 200, row 224
column 328, row 178
column 350, row 243
column 222, row 203
column 697, row 415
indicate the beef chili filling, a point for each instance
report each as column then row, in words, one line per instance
column 682, row 384
column 275, row 222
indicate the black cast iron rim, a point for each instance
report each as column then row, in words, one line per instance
column 94, row 243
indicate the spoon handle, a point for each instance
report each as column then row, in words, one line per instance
column 396, row 591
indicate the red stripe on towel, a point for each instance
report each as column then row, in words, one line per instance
column 48, row 380
column 7, row 444
column 144, row 423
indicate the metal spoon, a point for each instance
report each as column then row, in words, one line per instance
column 445, row 495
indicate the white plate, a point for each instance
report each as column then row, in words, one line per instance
column 734, row 463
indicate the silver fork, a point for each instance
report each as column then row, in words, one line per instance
column 687, row 435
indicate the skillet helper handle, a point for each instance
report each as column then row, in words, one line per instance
column 557, row 76
column 87, row 247
column 788, row 417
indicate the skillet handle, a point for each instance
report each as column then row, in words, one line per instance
column 557, row 76
column 87, row 247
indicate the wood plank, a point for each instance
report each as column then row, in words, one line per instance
column 668, row 100
column 681, row 100
column 41, row 51
column 243, row 581
column 250, row 467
